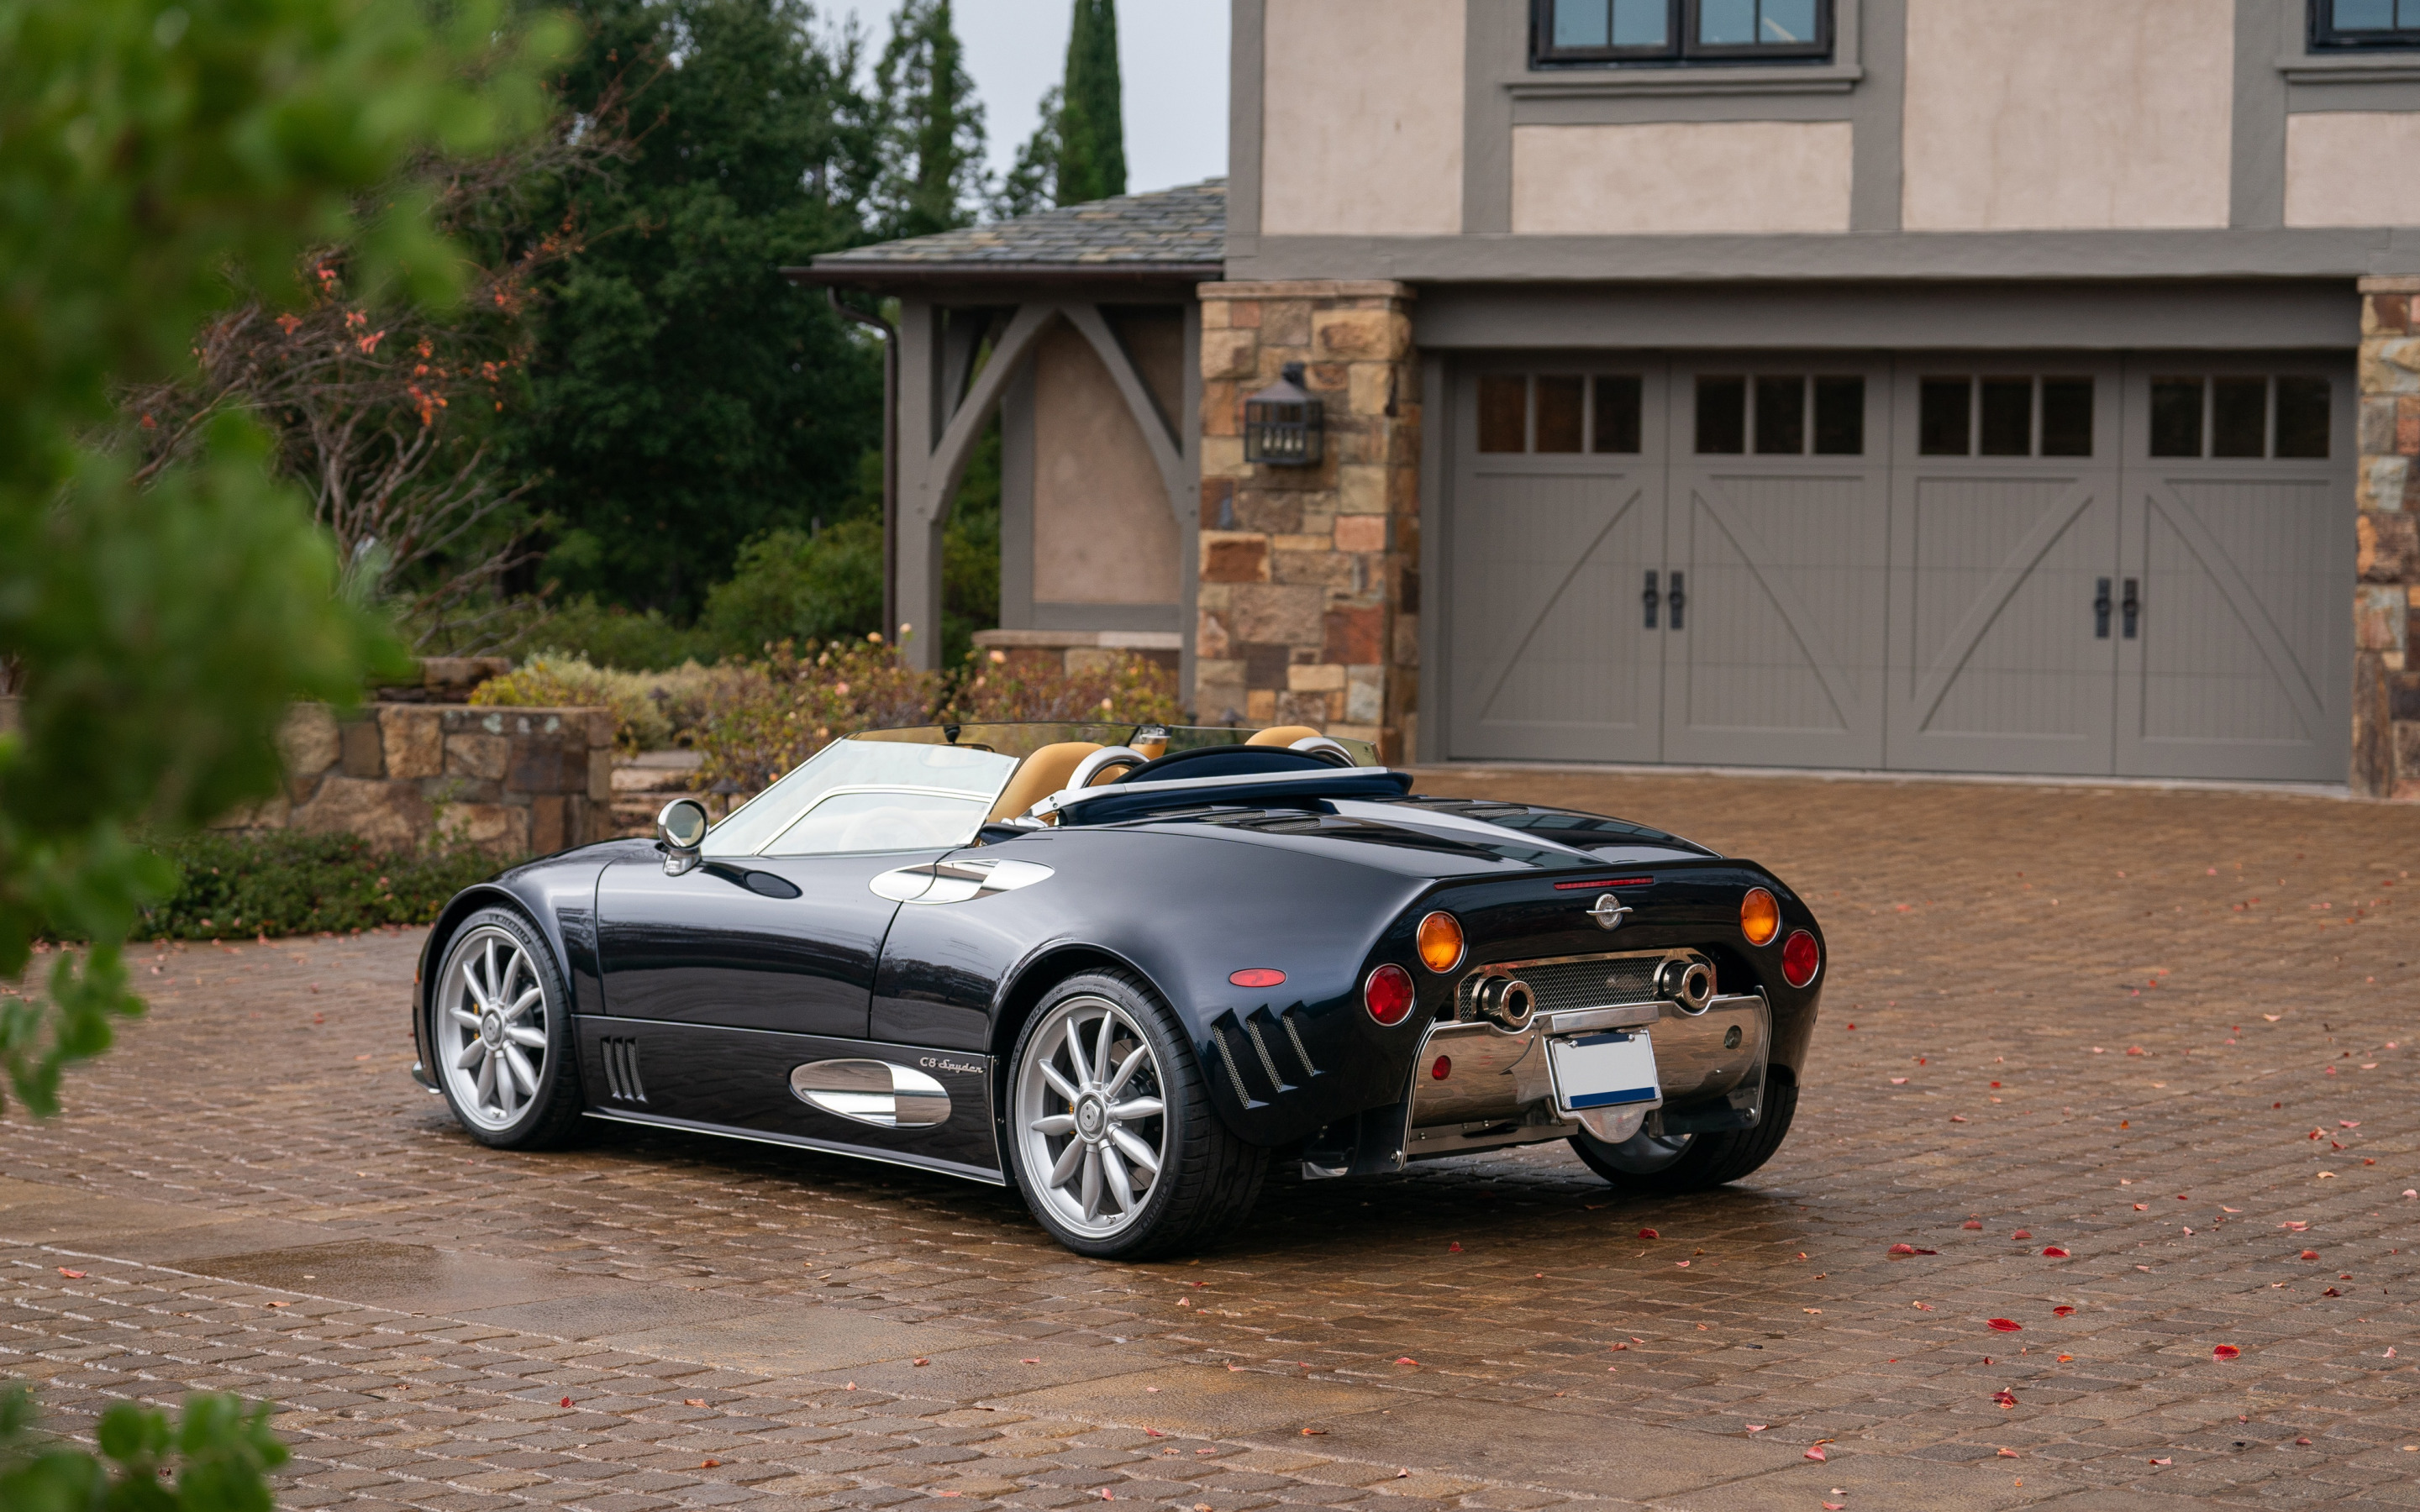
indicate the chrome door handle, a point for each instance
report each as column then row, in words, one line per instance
column 2133, row 606
column 1650, row 598
column 2100, row 612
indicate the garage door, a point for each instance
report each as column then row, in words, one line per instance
column 2060, row 565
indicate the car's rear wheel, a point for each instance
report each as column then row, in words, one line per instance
column 1669, row 1164
column 500, row 1033
column 1110, row 1132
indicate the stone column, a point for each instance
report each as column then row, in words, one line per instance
column 1310, row 586
column 2386, row 599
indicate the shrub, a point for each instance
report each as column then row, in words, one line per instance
column 220, row 1452
column 774, row 714
column 800, row 587
column 236, row 885
column 607, row 635
column 1130, row 689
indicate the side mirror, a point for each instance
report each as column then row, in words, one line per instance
column 680, row 829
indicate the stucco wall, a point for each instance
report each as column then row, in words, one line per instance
column 1361, row 133
column 1680, row 176
column 2068, row 115
column 2352, row 168
column 1103, row 532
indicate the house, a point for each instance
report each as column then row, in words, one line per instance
column 1922, row 385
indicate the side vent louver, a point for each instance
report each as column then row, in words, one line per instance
column 1295, row 1035
column 622, row 1071
column 1268, row 1062
column 1227, row 1058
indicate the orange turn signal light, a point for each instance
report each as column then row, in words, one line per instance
column 1759, row 917
column 1441, row 942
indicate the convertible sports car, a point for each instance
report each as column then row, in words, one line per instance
column 1124, row 969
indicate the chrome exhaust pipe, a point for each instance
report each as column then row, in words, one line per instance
column 1688, row 984
column 1507, row 1002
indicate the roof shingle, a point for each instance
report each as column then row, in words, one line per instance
column 1183, row 227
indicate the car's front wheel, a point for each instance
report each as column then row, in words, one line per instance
column 1111, row 1136
column 1669, row 1164
column 499, row 1032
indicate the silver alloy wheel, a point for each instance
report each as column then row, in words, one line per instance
column 1088, row 1116
column 491, row 1026
column 1643, row 1153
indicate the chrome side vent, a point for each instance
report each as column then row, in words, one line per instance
column 1268, row 1062
column 1234, row 1076
column 1294, row 1036
column 622, row 1071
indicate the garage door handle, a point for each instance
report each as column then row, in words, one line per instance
column 1680, row 600
column 1650, row 598
column 2100, row 612
column 2133, row 608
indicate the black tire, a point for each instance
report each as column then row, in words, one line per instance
column 1207, row 1179
column 545, row 1114
column 1653, row 1168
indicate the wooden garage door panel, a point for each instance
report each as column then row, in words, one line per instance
column 1996, row 665
column 2234, row 672
column 1552, row 660
column 1778, row 661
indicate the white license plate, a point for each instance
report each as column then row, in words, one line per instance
column 1603, row 1070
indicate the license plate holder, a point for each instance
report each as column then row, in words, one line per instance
column 1608, row 1069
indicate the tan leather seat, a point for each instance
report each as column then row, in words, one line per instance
column 1283, row 734
column 1039, row 775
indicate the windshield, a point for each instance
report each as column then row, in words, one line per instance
column 930, row 786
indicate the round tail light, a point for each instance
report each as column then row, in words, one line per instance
column 1440, row 942
column 1801, row 958
column 1387, row 994
column 1759, row 917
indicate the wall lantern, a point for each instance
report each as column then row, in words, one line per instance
column 1281, row 422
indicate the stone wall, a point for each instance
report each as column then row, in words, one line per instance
column 2386, row 599
column 1310, row 593
column 1072, row 652
column 516, row 781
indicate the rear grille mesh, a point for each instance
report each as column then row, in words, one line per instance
column 1566, row 985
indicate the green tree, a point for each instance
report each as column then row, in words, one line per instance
column 932, row 145
column 1092, row 120
column 684, row 399
column 156, row 161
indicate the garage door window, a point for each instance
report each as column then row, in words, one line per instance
column 2233, row 415
column 1551, row 413
column 1777, row 423
column 2004, row 415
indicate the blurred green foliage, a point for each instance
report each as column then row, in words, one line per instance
column 214, row 1457
column 236, row 885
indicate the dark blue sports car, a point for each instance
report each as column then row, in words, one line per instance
column 1124, row 968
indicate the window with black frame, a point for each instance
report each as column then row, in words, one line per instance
column 1674, row 31
column 2366, row 23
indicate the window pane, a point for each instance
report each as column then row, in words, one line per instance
column 2239, row 417
column 1503, row 413
column 1781, row 416
column 1941, row 418
column 1579, row 22
column 2407, row 14
column 1722, row 415
column 2364, row 15
column 1839, row 416
column 1617, row 414
column 2008, row 428
column 2302, row 416
column 1786, row 23
column 851, row 822
column 2067, row 417
column 1645, row 23
column 2176, row 417
column 1559, row 413
column 1727, row 23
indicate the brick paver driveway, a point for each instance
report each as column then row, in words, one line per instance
column 2165, row 1033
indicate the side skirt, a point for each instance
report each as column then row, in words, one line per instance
column 921, row 1162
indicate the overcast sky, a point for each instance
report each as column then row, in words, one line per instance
column 1171, row 58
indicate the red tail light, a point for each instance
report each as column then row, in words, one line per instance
column 1801, row 958
column 1387, row 994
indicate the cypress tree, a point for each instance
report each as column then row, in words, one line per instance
column 1092, row 120
column 933, row 144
